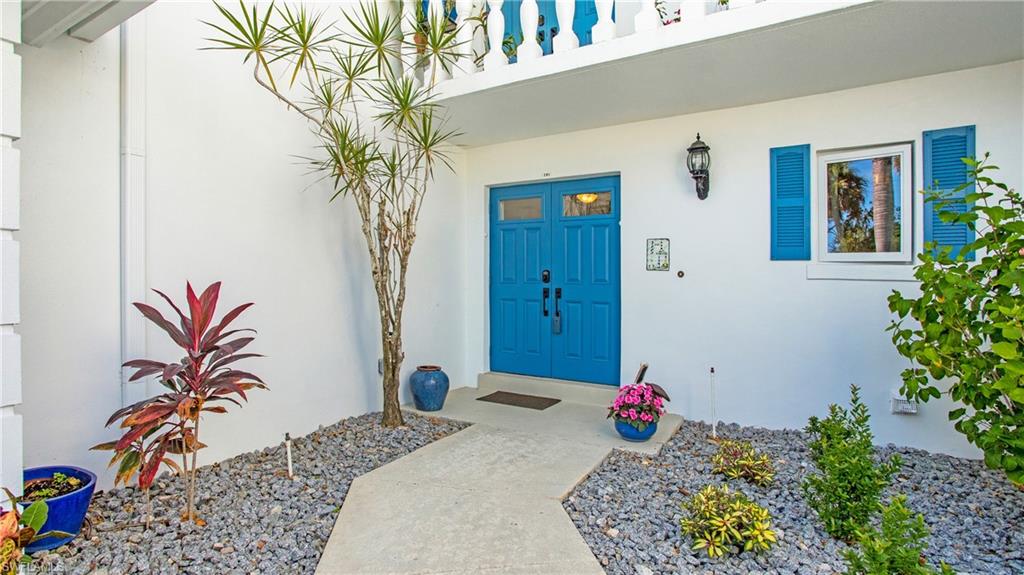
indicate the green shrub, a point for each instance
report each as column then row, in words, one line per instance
column 722, row 521
column 739, row 460
column 896, row 547
column 966, row 328
column 847, row 488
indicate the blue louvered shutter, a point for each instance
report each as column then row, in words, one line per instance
column 791, row 202
column 944, row 171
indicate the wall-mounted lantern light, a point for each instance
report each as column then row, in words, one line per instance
column 698, row 160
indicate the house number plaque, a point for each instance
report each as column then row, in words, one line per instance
column 657, row 254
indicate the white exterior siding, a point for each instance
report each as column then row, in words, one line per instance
column 783, row 345
column 10, row 193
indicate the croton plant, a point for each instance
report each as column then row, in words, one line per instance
column 159, row 429
column 18, row 529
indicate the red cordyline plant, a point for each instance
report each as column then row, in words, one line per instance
column 167, row 425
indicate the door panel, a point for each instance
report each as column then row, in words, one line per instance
column 587, row 222
column 573, row 232
column 520, row 251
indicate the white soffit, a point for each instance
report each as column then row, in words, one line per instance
column 45, row 20
column 860, row 45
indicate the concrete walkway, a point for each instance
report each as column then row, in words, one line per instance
column 486, row 499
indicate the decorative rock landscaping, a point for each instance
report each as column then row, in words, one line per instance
column 628, row 509
column 257, row 520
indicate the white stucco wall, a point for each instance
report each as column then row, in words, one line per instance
column 783, row 346
column 226, row 200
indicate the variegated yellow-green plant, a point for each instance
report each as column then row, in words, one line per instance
column 721, row 521
column 739, row 460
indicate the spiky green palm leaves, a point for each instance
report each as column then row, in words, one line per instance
column 381, row 133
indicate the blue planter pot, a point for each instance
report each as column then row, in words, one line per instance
column 629, row 433
column 429, row 387
column 67, row 512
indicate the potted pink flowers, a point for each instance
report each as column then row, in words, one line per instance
column 637, row 409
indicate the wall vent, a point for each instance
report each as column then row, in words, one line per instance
column 903, row 406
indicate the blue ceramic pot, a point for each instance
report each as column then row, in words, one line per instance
column 429, row 387
column 629, row 433
column 67, row 512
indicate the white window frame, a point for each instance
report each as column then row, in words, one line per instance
column 906, row 221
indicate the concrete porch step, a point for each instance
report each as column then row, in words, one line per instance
column 572, row 391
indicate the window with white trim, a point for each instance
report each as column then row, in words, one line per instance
column 865, row 204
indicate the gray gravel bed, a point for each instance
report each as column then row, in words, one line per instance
column 628, row 509
column 258, row 521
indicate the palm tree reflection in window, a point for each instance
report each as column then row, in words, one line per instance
column 863, row 208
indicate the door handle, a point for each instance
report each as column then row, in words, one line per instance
column 556, row 323
column 544, row 300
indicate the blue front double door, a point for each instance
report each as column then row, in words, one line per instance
column 554, row 279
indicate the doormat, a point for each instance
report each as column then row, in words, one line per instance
column 519, row 400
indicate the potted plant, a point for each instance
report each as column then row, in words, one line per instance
column 637, row 408
column 66, row 492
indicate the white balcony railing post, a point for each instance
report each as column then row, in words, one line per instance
column 647, row 18
column 464, row 37
column 529, row 15
column 566, row 38
column 495, row 57
column 604, row 30
column 409, row 38
column 479, row 44
column 436, row 16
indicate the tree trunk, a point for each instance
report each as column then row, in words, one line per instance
column 835, row 213
column 393, row 358
column 882, row 203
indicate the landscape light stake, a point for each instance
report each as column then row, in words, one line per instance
column 288, row 450
column 714, row 417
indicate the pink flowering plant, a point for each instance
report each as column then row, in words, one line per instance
column 639, row 405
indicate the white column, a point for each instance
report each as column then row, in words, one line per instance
column 409, row 37
column 647, row 18
column 437, row 14
column 464, row 37
column 529, row 16
column 133, row 202
column 604, row 30
column 495, row 57
column 10, row 190
column 566, row 38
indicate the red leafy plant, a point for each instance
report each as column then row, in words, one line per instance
column 159, row 428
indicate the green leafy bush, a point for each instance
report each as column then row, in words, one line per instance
column 722, row 521
column 967, row 325
column 847, row 488
column 896, row 547
column 739, row 460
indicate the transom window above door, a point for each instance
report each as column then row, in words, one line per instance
column 595, row 203
column 515, row 209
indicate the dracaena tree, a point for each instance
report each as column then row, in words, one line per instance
column 164, row 430
column 381, row 135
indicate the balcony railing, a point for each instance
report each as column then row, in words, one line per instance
column 493, row 34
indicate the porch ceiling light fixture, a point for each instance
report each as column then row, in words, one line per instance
column 698, row 161
column 586, row 198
